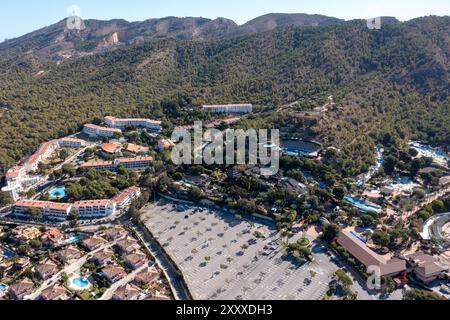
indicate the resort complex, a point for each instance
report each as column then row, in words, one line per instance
column 149, row 124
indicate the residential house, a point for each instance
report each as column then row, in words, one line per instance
column 52, row 237
column 127, row 246
column 69, row 254
column 25, row 234
column 147, row 277
column 136, row 260
column 55, row 293
column 114, row 233
column 103, row 258
column 92, row 244
column 114, row 273
column 46, row 269
column 127, row 292
column 21, row 289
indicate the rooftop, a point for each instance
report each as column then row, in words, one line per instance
column 43, row 204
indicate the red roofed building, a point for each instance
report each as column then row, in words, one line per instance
column 44, row 151
column 124, row 199
column 50, row 210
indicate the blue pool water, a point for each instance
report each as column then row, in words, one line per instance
column 5, row 253
column 74, row 239
column 80, row 282
column 363, row 206
column 58, row 193
column 3, row 286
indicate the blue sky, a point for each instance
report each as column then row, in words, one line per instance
column 19, row 17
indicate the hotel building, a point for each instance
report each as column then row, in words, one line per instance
column 95, row 208
column 43, row 153
column 95, row 131
column 50, row 210
column 139, row 163
column 228, row 108
column 124, row 199
column 150, row 124
column 71, row 143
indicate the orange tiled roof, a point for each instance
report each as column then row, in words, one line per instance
column 42, row 149
column 111, row 147
column 43, row 204
column 92, row 203
column 121, row 196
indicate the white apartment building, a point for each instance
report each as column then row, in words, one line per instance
column 124, row 199
column 228, row 108
column 50, row 210
column 43, row 153
column 71, row 143
column 95, row 131
column 95, row 208
column 150, row 124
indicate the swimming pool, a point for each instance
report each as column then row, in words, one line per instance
column 79, row 283
column 5, row 253
column 58, row 193
column 363, row 206
column 3, row 286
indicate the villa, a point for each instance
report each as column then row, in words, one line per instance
column 150, row 124
column 136, row 260
column 21, row 289
column 46, row 269
column 93, row 243
column 136, row 149
column 103, row 258
column 128, row 246
column 114, row 273
column 95, row 131
column 228, row 108
column 24, row 233
column 139, row 163
column 52, row 237
column 114, row 234
column 127, row 292
column 147, row 277
column 54, row 293
column 69, row 254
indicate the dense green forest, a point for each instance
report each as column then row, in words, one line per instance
column 391, row 80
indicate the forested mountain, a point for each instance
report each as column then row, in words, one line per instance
column 391, row 80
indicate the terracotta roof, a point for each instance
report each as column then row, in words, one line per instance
column 71, row 140
column 43, row 204
column 42, row 149
column 135, row 148
column 22, row 286
column 97, row 164
column 92, row 203
column 136, row 257
column 48, row 266
column 111, row 147
column 137, row 159
column 147, row 276
column 125, row 193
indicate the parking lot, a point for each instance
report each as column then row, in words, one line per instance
column 223, row 258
